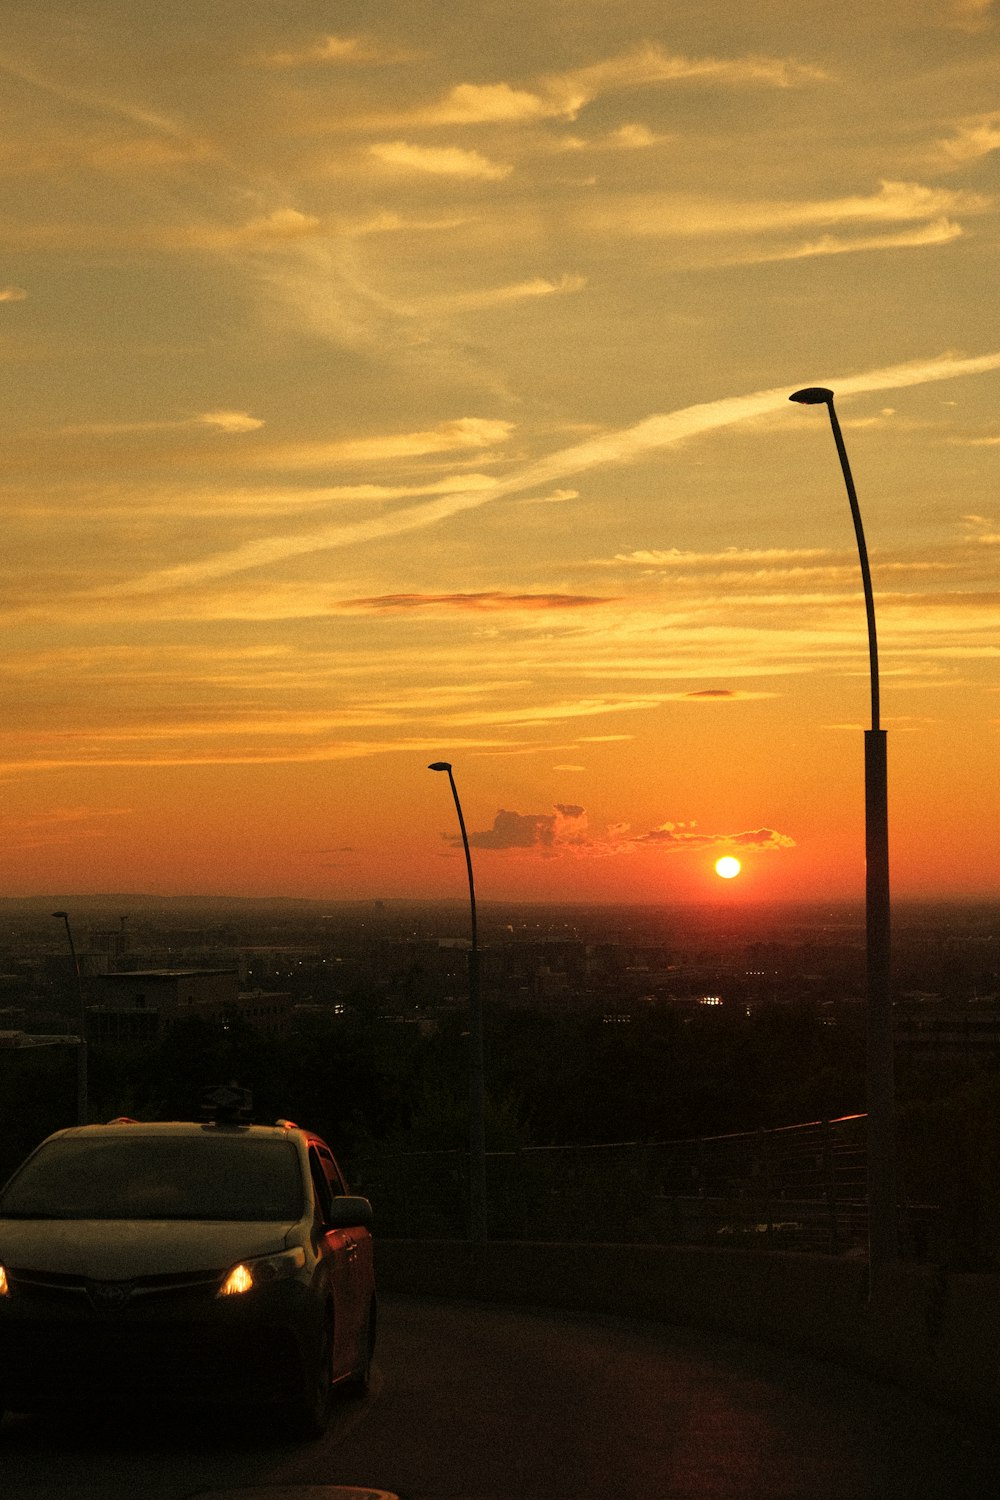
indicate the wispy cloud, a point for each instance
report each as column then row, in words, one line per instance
column 940, row 232
column 674, row 557
column 283, row 230
column 633, row 137
column 12, row 294
column 972, row 138
column 280, row 226
column 464, row 434
column 232, row 422
column 60, row 826
column 501, row 296
column 440, row 161
column 555, row 497
column 487, row 600
column 618, row 447
column 672, row 216
column 564, row 95
column 99, row 103
column 674, row 837
column 325, row 50
column 388, row 221
column 230, row 754
column 983, row 529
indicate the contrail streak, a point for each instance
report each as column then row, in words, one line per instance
column 613, row 447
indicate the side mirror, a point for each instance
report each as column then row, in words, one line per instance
column 349, row 1213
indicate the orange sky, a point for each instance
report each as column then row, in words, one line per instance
column 395, row 385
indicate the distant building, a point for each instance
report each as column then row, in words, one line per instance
column 930, row 1029
column 136, row 1006
column 139, row 1005
column 271, row 1011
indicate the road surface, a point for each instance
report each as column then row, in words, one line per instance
column 471, row 1402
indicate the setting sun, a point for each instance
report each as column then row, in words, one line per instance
column 728, row 867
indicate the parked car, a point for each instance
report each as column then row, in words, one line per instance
column 214, row 1261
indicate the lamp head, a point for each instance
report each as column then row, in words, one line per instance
column 439, row 765
column 61, row 914
column 812, row 395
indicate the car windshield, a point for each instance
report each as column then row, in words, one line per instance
column 135, row 1176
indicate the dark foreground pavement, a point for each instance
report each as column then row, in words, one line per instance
column 484, row 1403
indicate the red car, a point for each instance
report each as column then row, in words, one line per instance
column 215, row 1261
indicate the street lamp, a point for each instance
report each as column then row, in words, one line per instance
column 82, row 1102
column 477, row 1106
column 882, row 1236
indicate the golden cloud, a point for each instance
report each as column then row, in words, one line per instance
column 939, row 232
column 325, row 49
column 500, row 296
column 565, row 831
column 440, row 161
column 974, row 137
column 563, row 95
column 617, row 447
column 486, row 600
column 459, row 435
column 675, row 216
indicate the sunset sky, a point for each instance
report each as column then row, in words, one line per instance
column 407, row 381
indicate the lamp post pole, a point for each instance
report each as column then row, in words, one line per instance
column 82, row 1101
column 883, row 1246
column 477, row 1103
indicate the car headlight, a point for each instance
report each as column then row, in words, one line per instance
column 261, row 1271
column 4, row 1283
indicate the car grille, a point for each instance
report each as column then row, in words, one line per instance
column 41, row 1289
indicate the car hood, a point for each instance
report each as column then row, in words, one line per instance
column 119, row 1249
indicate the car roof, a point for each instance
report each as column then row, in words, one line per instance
column 284, row 1131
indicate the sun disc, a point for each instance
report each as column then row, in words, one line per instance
column 728, row 867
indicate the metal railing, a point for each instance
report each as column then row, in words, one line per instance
column 801, row 1187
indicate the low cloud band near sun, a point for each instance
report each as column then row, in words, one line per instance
column 565, row 830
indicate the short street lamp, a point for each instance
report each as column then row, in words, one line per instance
column 477, row 1105
column 882, row 1235
column 82, row 1101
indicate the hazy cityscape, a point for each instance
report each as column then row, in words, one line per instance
column 407, row 960
column 603, row 1026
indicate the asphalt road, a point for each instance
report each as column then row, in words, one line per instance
column 479, row 1403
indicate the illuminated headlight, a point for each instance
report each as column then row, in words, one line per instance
column 261, row 1271
column 4, row 1283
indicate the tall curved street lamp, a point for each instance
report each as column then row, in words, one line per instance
column 477, row 1103
column 82, row 1101
column 883, row 1245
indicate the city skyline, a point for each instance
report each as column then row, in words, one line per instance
column 389, row 388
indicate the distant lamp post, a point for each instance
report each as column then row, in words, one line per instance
column 82, row 1102
column 882, row 1235
column 477, row 1105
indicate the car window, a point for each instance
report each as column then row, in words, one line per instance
column 324, row 1198
column 135, row 1176
column 333, row 1173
